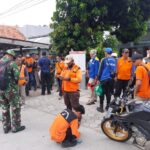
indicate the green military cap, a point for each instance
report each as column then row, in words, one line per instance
column 11, row 52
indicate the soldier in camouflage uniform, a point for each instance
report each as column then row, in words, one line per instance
column 10, row 97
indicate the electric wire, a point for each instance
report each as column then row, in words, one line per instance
column 23, row 8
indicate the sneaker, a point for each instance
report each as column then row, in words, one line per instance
column 79, row 141
column 49, row 93
column 67, row 143
column 27, row 94
column 95, row 100
column 100, row 109
column 60, row 97
column 90, row 103
column 21, row 128
column 106, row 108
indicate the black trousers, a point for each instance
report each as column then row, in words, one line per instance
column 120, row 86
column 45, row 81
column 51, row 80
column 108, row 87
column 69, row 137
column 27, row 90
column 59, row 86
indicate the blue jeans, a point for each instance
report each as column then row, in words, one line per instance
column 31, row 80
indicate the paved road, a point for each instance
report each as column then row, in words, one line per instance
column 39, row 113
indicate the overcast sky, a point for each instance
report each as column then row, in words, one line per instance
column 37, row 15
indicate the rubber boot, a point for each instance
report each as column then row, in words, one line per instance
column 100, row 109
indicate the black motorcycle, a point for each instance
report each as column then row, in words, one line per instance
column 126, row 119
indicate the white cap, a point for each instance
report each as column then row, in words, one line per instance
column 114, row 54
column 68, row 59
column 28, row 55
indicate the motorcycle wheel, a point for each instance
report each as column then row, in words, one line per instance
column 118, row 134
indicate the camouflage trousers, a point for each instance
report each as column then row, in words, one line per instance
column 11, row 118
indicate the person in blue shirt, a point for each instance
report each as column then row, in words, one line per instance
column 93, row 67
column 106, row 77
column 45, row 64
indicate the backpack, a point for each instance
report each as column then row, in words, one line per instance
column 148, row 71
column 112, row 72
column 4, row 75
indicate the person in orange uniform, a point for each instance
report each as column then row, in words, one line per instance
column 147, row 59
column 59, row 68
column 29, row 61
column 71, row 77
column 23, row 78
column 142, row 86
column 124, row 72
column 64, row 129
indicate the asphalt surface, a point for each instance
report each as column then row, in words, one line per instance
column 37, row 116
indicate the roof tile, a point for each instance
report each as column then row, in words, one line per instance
column 11, row 32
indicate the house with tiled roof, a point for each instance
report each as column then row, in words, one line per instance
column 12, row 37
column 11, row 32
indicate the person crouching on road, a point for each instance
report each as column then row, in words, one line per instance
column 64, row 129
column 71, row 77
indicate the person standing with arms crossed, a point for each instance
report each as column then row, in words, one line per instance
column 71, row 77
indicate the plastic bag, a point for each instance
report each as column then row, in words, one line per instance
column 98, row 90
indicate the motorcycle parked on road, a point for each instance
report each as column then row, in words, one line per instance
column 126, row 119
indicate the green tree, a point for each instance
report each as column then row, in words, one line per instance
column 127, row 19
column 80, row 24
column 111, row 41
column 74, row 27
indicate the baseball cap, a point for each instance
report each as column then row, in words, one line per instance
column 136, row 56
column 68, row 59
column 28, row 55
column 108, row 50
column 114, row 54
